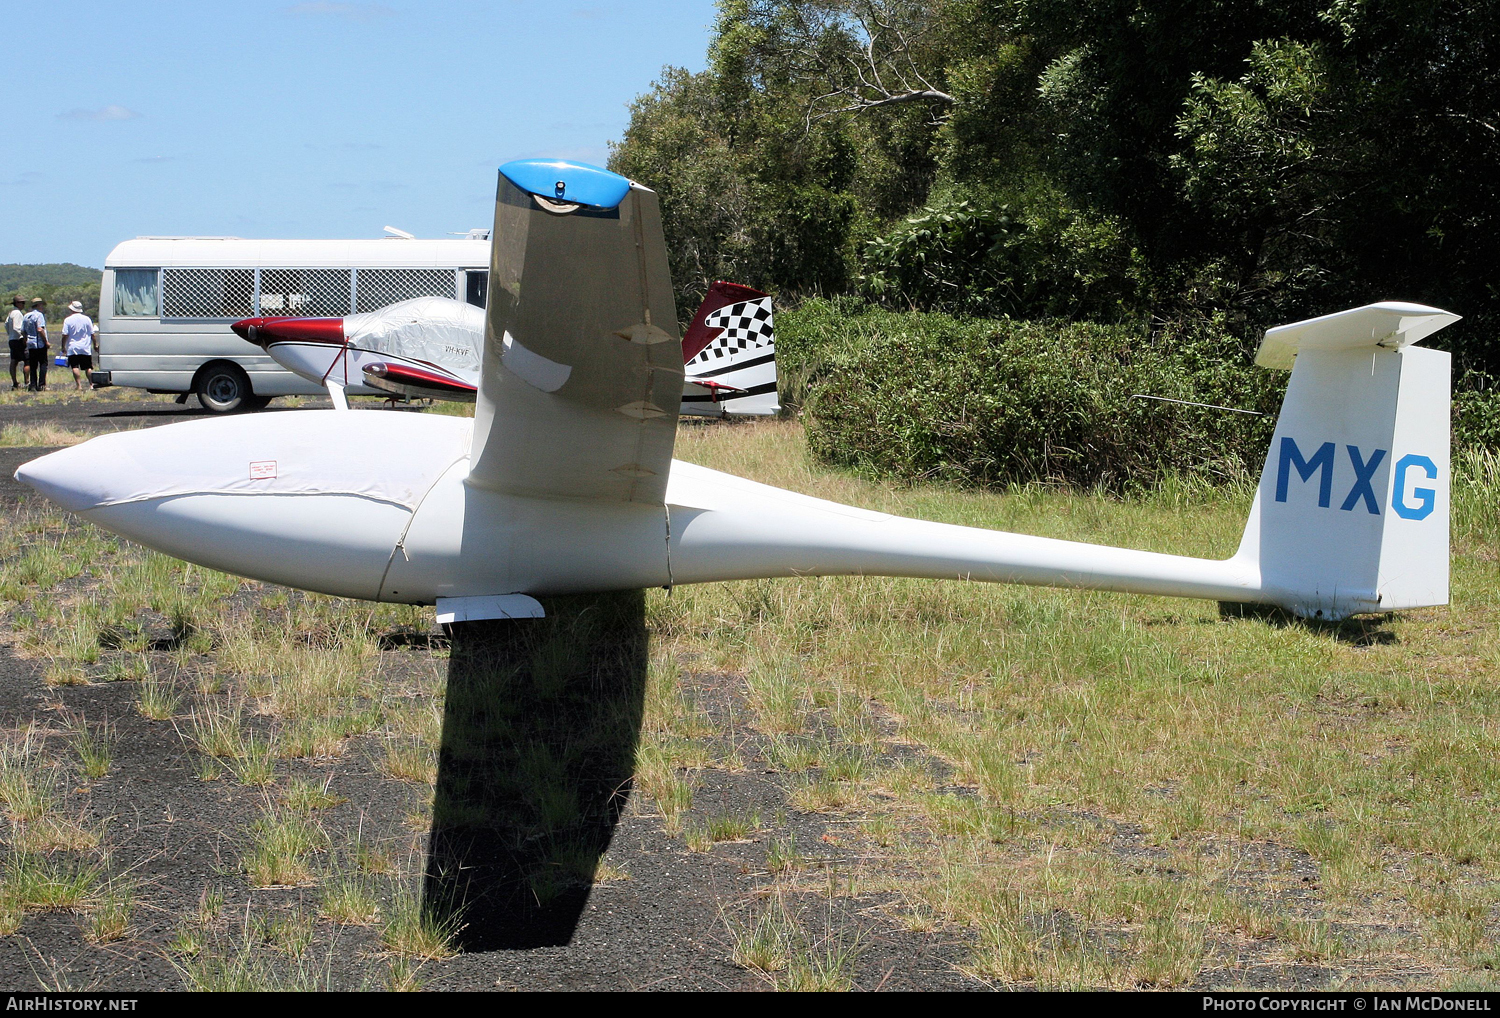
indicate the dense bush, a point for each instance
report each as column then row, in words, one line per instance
column 1030, row 257
column 1476, row 414
column 924, row 395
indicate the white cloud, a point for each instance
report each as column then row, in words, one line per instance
column 111, row 112
column 336, row 9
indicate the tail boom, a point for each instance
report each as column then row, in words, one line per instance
column 726, row 528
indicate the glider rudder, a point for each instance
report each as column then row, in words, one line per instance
column 1351, row 514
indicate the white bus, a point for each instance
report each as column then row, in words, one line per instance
column 166, row 304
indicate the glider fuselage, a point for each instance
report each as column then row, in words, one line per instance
column 424, row 531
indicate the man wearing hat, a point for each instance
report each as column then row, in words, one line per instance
column 34, row 325
column 78, row 344
column 15, row 335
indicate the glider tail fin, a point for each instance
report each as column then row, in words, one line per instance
column 1351, row 514
column 732, row 343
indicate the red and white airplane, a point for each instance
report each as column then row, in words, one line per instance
column 432, row 348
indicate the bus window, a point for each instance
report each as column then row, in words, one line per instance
column 316, row 293
column 135, row 293
column 208, row 293
column 380, row 288
column 478, row 286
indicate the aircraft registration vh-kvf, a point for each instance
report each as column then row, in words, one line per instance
column 563, row 482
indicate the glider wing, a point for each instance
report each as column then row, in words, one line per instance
column 582, row 374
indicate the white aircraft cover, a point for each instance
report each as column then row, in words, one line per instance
column 284, row 454
column 437, row 330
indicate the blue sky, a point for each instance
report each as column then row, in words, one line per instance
column 308, row 119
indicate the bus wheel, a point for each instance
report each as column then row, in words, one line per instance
column 223, row 388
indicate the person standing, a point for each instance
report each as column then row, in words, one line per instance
column 35, row 327
column 15, row 334
column 78, row 344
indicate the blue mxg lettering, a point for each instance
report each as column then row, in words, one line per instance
column 1321, row 463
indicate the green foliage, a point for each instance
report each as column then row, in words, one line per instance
column 57, row 284
column 1229, row 160
column 1476, row 414
column 1036, row 257
column 755, row 185
column 922, row 395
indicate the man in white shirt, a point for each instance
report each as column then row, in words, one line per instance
column 78, row 344
column 34, row 326
column 15, row 336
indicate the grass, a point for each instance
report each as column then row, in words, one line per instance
column 210, row 906
column 39, row 435
column 34, row 882
column 774, row 945
column 1092, row 790
column 157, row 701
column 303, row 796
column 1061, row 714
column 287, row 932
column 782, row 855
column 407, row 760
column 282, row 848
column 373, row 859
column 721, row 828
column 765, row 943
column 246, row 966
column 28, row 779
column 109, row 917
column 402, row 975
column 219, row 731
column 411, row 931
column 93, row 746
column 348, row 901
column 254, row 763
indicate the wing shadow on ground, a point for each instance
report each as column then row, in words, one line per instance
column 538, row 748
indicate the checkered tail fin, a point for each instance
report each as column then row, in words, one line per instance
column 732, row 344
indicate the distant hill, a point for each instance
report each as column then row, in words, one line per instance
column 57, row 283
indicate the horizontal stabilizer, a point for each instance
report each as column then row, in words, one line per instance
column 1389, row 325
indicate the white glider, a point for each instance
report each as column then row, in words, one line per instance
column 564, row 481
column 431, row 347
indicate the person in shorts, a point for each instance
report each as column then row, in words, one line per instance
column 34, row 325
column 15, row 335
column 78, row 343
